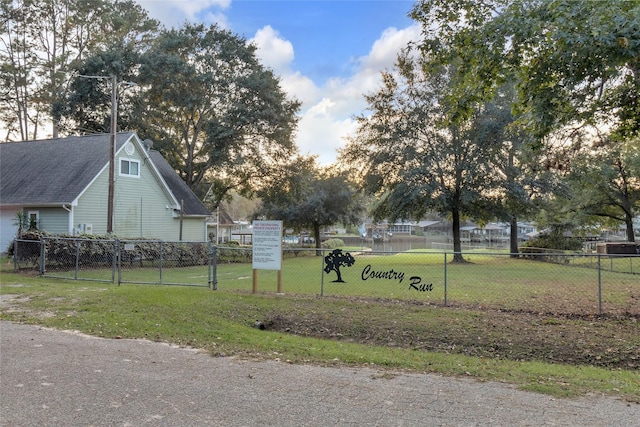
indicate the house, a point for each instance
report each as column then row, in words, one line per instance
column 411, row 228
column 61, row 185
column 220, row 225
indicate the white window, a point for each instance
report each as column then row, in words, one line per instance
column 33, row 220
column 129, row 167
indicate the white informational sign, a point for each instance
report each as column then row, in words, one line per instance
column 267, row 245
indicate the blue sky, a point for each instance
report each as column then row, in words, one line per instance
column 327, row 35
column 327, row 53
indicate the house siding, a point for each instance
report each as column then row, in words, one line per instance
column 194, row 230
column 92, row 206
column 142, row 207
column 140, row 204
column 8, row 227
column 145, row 206
column 53, row 220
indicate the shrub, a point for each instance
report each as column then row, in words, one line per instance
column 333, row 243
column 26, row 249
column 231, row 252
column 554, row 240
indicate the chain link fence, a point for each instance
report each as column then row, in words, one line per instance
column 165, row 263
column 548, row 283
column 118, row 261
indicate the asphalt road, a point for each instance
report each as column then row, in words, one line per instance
column 56, row 378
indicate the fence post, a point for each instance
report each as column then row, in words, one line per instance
column 77, row 266
column 599, row 286
column 42, row 255
column 117, row 267
column 322, row 272
column 15, row 252
column 445, row 279
column 213, row 267
column 162, row 258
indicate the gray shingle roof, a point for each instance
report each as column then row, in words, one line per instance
column 180, row 190
column 55, row 171
column 52, row 171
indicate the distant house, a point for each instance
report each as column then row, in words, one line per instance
column 411, row 228
column 220, row 225
column 62, row 186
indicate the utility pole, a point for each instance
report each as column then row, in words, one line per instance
column 112, row 144
column 112, row 154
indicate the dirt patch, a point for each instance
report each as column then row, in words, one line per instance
column 603, row 341
column 13, row 303
column 7, row 300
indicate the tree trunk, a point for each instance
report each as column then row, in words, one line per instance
column 628, row 220
column 513, row 237
column 316, row 236
column 457, row 247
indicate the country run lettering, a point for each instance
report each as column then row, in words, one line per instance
column 368, row 273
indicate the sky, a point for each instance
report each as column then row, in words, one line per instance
column 327, row 53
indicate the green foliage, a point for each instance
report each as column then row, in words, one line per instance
column 307, row 197
column 333, row 243
column 576, row 61
column 26, row 247
column 94, row 251
column 554, row 240
column 604, row 184
column 45, row 41
column 220, row 117
column 231, row 252
column 577, row 71
column 24, row 222
column 416, row 160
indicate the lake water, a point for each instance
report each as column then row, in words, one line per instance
column 406, row 244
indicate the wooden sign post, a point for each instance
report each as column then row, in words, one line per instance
column 267, row 250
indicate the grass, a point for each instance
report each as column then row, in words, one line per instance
column 489, row 279
column 344, row 330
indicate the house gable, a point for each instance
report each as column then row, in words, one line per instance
column 52, row 172
column 71, row 174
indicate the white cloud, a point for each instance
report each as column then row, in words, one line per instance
column 327, row 109
column 384, row 50
column 300, row 87
column 320, row 130
column 327, row 112
column 217, row 18
column 278, row 54
column 273, row 51
column 193, row 7
column 174, row 13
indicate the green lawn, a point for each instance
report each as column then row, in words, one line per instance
column 223, row 323
column 488, row 279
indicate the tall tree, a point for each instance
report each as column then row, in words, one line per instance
column 43, row 41
column 219, row 116
column 18, row 64
column 306, row 196
column 605, row 183
column 410, row 159
column 87, row 105
column 521, row 181
column 577, row 62
column 577, row 65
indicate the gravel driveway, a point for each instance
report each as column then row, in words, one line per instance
column 57, row 378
